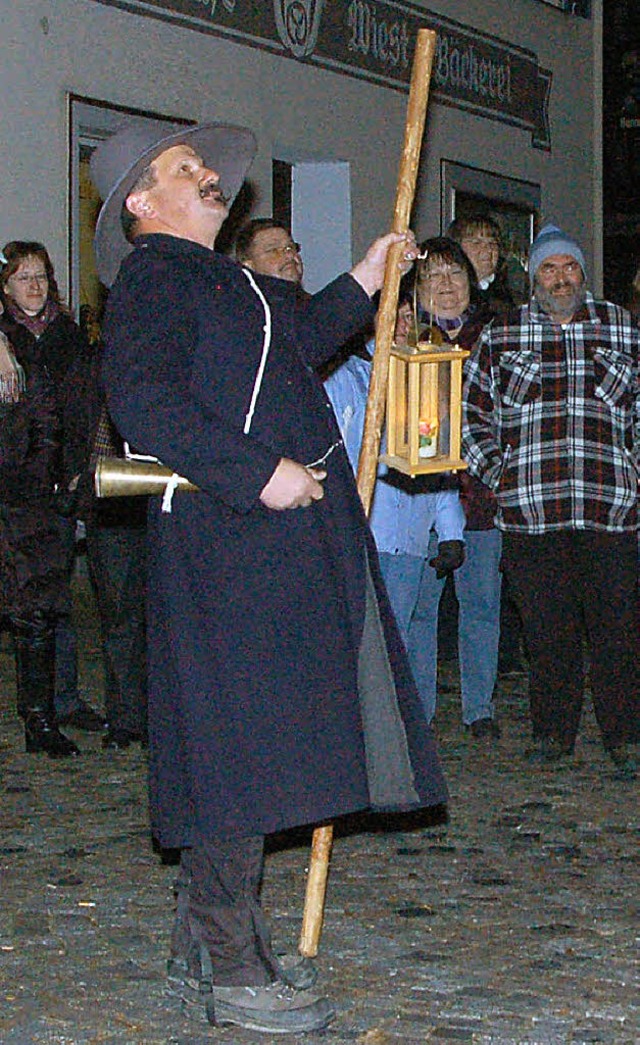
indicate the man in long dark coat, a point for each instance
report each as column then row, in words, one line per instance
column 280, row 693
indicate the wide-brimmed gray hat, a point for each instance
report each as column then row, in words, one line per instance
column 119, row 161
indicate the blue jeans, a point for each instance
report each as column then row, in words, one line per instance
column 477, row 584
column 414, row 592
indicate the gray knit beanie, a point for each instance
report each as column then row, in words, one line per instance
column 552, row 240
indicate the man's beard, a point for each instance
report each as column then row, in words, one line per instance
column 564, row 306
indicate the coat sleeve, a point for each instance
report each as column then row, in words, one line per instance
column 347, row 390
column 328, row 318
column 151, row 335
column 480, row 446
column 450, row 518
column 37, row 474
column 634, row 340
column 78, row 412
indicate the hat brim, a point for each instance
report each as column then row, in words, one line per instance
column 225, row 148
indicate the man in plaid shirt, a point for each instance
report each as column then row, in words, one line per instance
column 551, row 424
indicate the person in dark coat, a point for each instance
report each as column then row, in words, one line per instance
column 116, row 532
column 43, row 332
column 264, row 245
column 33, row 593
column 479, row 234
column 279, row 689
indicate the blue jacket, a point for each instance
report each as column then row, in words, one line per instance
column 404, row 511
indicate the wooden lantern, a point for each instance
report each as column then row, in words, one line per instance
column 424, row 409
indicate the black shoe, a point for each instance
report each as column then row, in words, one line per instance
column 82, row 717
column 485, row 728
column 626, row 766
column 277, row 1008
column 511, row 669
column 120, row 739
column 43, row 736
column 550, row 750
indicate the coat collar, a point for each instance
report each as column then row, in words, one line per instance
column 161, row 244
column 278, row 291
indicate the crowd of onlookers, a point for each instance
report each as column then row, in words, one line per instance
column 508, row 565
column 512, row 564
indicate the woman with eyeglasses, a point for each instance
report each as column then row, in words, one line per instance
column 478, row 233
column 32, row 564
column 43, row 334
column 448, row 312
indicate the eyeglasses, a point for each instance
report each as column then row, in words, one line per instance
column 437, row 277
column 286, row 250
column 36, row 277
column 478, row 242
column 550, row 270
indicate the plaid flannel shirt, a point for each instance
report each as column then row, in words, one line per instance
column 551, row 419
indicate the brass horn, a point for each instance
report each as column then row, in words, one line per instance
column 123, row 477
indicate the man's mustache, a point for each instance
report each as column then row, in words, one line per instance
column 212, row 189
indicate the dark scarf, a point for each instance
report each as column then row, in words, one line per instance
column 36, row 325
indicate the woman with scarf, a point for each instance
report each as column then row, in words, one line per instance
column 43, row 333
column 448, row 312
column 32, row 564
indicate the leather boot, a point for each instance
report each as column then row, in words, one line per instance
column 35, row 676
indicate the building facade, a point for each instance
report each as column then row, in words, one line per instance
column 513, row 112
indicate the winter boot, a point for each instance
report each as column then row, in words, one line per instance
column 35, row 676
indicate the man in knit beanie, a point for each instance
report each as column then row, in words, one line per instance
column 551, row 423
column 557, row 272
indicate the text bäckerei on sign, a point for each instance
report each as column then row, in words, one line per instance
column 465, row 67
column 374, row 40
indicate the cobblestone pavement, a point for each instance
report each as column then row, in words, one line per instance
column 512, row 920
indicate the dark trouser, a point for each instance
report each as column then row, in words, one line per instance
column 568, row 583
column 66, row 689
column 218, row 892
column 510, row 651
column 116, row 553
column 34, row 642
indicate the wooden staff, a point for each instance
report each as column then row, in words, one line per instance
column 374, row 418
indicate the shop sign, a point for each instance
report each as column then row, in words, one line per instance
column 373, row 40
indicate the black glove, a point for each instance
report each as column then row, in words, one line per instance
column 450, row 556
column 65, row 499
column 65, row 503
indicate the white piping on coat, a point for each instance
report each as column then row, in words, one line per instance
column 266, row 345
column 172, row 482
